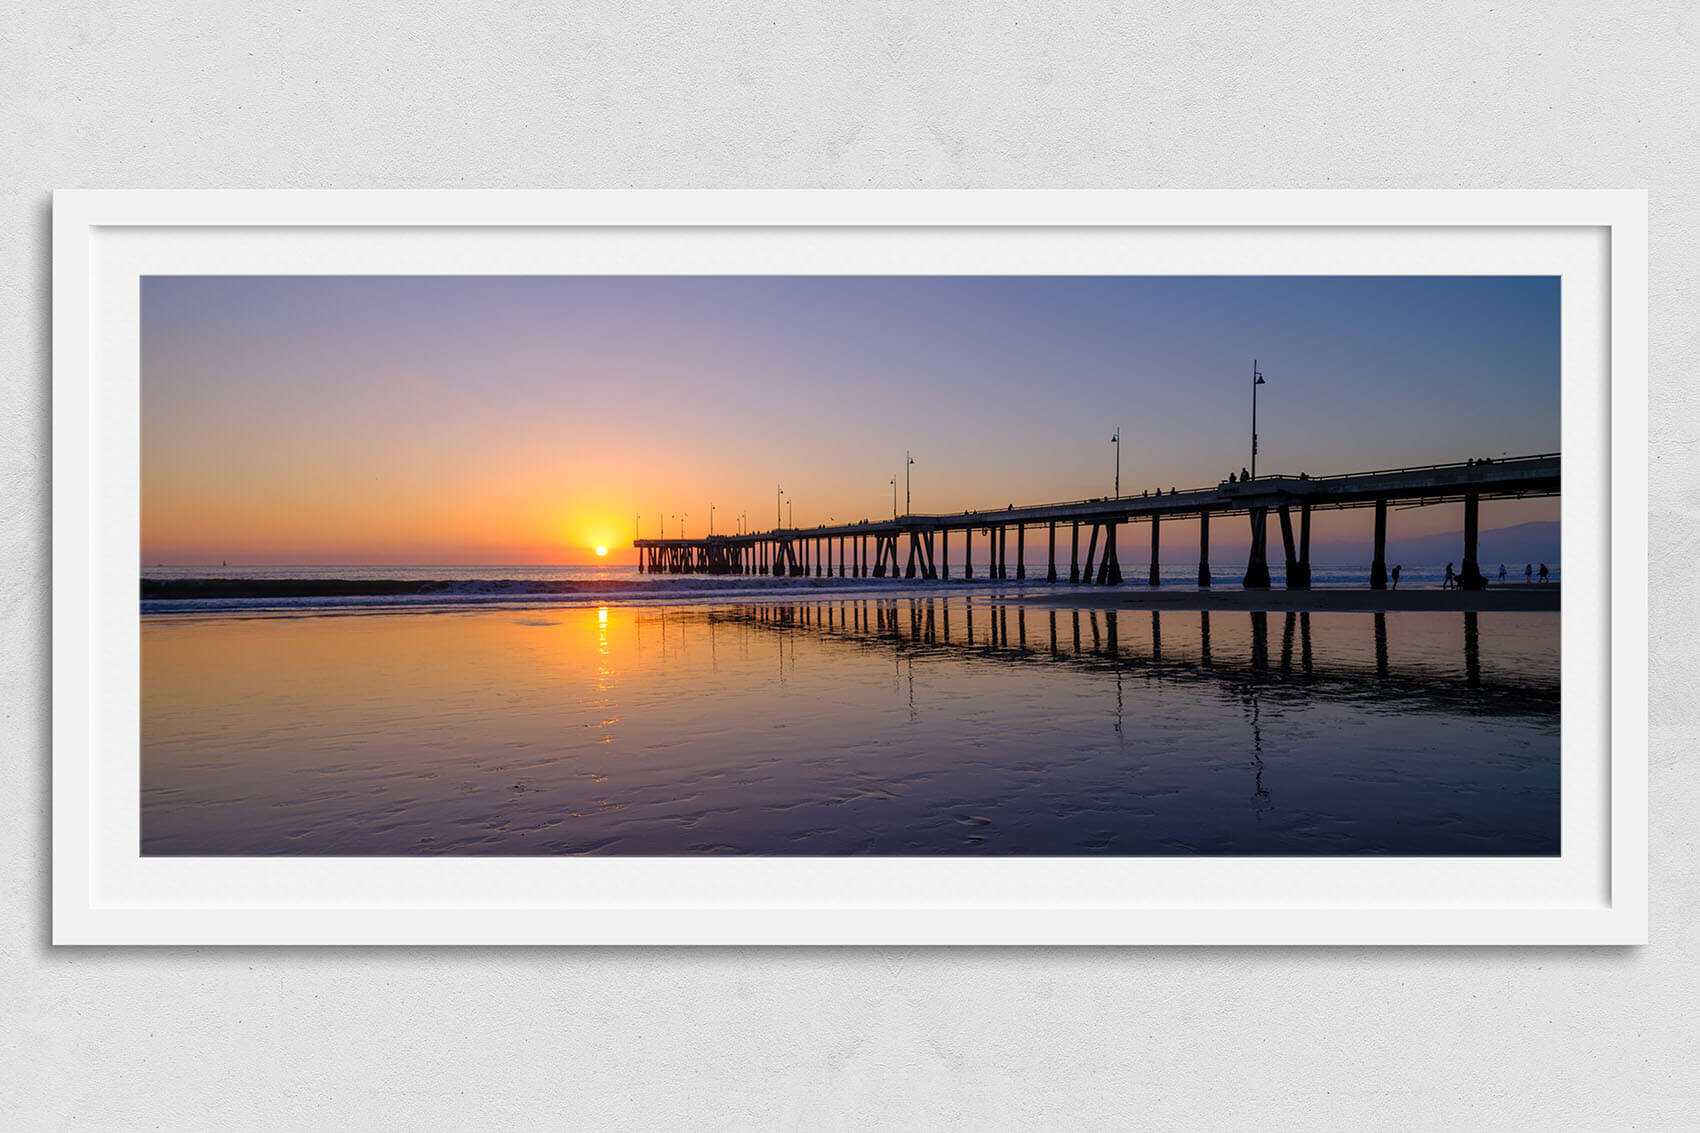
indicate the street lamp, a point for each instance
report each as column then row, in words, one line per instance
column 790, row 516
column 1117, row 441
column 908, row 506
column 778, row 496
column 1256, row 380
column 894, row 499
column 684, row 515
column 711, row 519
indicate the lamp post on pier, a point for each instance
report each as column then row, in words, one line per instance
column 1256, row 380
column 1117, row 441
column 779, row 496
column 908, row 507
column 894, row 499
column 711, row 519
column 790, row 516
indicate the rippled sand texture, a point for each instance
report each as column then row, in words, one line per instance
column 912, row 726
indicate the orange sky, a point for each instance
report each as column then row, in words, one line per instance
column 459, row 420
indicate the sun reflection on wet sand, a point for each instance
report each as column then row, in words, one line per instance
column 909, row 725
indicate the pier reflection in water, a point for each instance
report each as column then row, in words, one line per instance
column 916, row 726
column 1523, row 679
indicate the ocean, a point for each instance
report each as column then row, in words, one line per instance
column 283, row 589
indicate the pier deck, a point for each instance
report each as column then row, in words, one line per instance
column 872, row 548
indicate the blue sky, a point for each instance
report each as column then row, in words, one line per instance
column 332, row 418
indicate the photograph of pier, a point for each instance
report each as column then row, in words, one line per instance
column 831, row 565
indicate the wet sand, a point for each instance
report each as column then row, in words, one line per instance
column 1510, row 599
column 884, row 722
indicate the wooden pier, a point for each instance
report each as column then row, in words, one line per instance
column 919, row 546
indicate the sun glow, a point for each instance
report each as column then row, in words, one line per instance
column 601, row 551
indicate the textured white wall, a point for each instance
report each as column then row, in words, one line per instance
column 333, row 93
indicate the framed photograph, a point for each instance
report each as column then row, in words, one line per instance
column 850, row 568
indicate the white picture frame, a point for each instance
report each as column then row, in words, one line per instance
column 105, row 892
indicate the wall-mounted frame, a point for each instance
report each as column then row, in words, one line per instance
column 106, row 890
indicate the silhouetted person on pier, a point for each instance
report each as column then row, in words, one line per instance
column 1502, row 572
column 1232, row 479
column 1451, row 579
column 1244, row 475
column 1544, row 572
column 1396, row 569
column 1528, row 574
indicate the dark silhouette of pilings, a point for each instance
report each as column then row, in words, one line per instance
column 1471, row 577
column 1378, row 559
column 1154, row 578
column 1204, row 548
column 1257, row 566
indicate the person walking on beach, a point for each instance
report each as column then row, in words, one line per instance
column 1543, row 572
column 1528, row 574
column 1451, row 579
column 1397, row 567
column 1502, row 572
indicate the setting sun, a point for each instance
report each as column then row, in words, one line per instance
column 600, row 551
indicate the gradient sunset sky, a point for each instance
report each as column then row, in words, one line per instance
column 513, row 420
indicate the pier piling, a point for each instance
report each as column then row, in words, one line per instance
column 1378, row 561
column 1257, row 567
column 1470, row 575
column 1300, row 578
column 1287, row 549
column 1154, row 578
column 1204, row 548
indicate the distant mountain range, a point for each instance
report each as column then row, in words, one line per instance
column 1524, row 543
